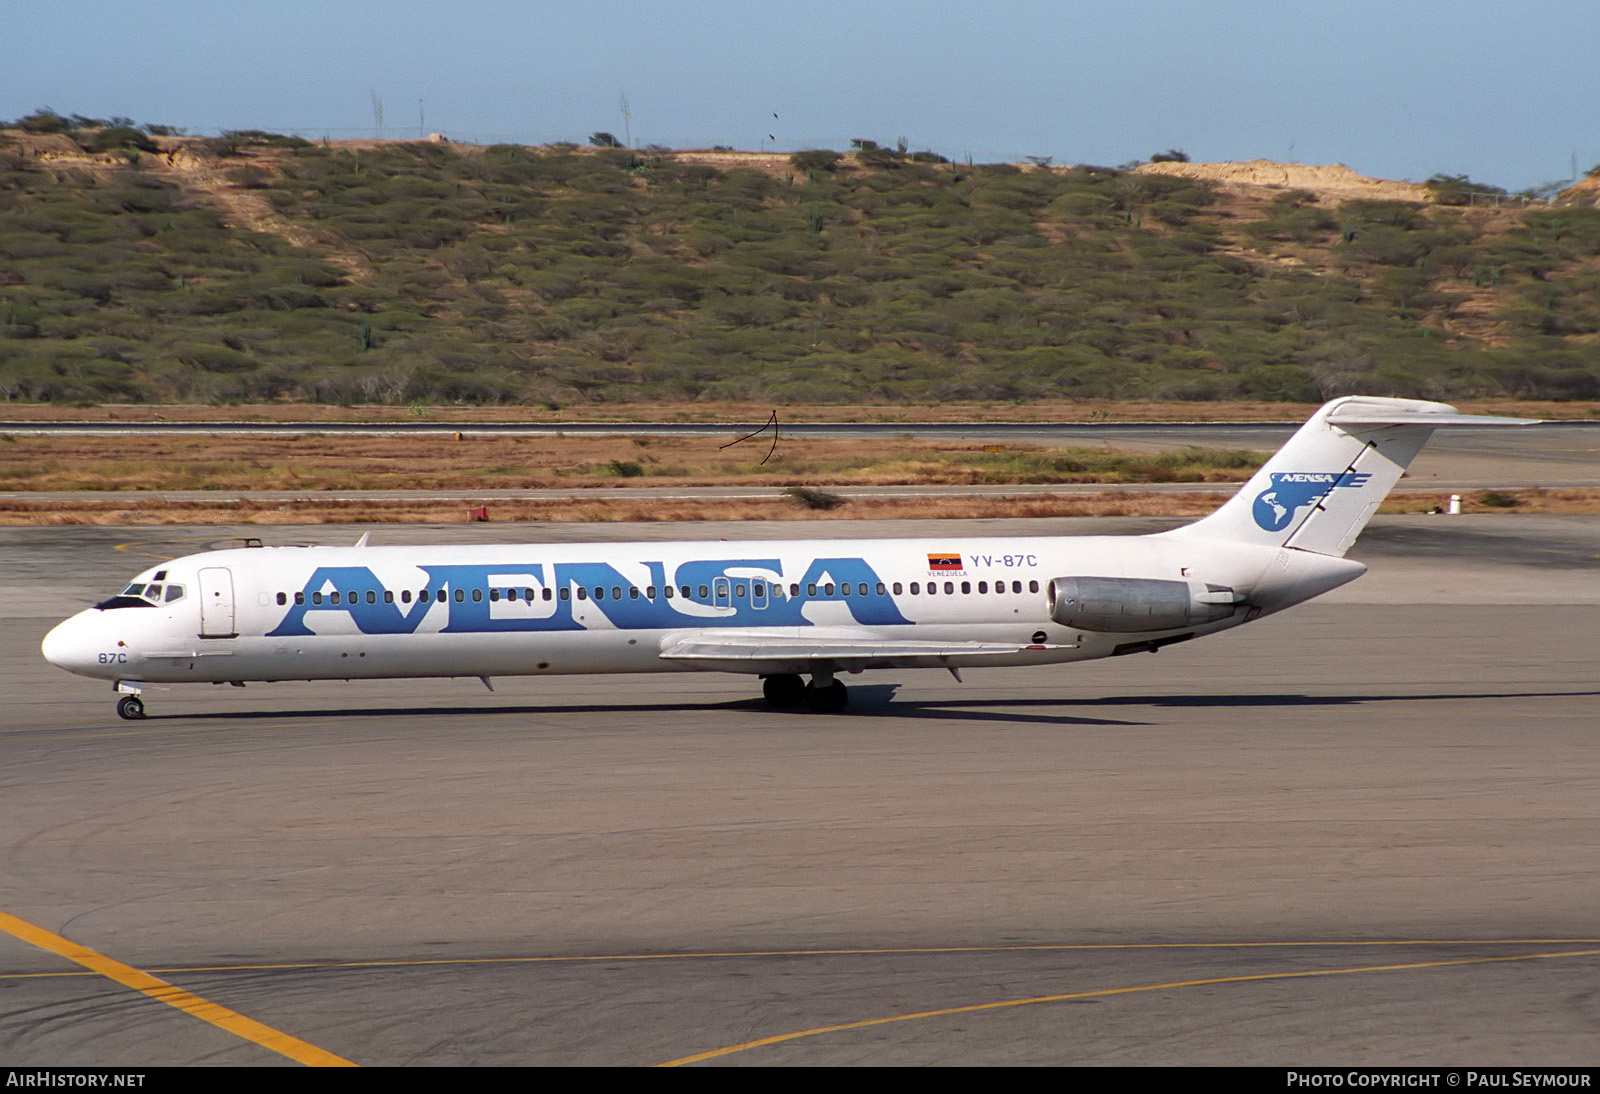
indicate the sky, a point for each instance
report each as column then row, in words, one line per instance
column 1506, row 93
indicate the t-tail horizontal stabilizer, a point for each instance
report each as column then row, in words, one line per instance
column 1321, row 488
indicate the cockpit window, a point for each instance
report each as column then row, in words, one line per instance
column 141, row 595
column 124, row 602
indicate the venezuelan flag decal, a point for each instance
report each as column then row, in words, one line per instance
column 944, row 564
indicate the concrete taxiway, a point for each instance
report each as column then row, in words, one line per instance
column 1362, row 832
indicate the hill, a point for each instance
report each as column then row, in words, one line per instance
column 255, row 267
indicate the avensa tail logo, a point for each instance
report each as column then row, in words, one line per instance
column 1291, row 491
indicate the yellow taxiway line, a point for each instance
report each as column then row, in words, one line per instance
column 975, row 1008
column 173, row 996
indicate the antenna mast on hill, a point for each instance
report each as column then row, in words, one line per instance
column 377, row 113
column 627, row 133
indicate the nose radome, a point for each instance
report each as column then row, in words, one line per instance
column 68, row 645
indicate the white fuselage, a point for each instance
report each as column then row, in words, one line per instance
column 308, row 613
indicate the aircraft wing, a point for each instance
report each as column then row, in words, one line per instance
column 790, row 652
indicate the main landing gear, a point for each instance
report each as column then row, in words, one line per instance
column 130, row 707
column 824, row 694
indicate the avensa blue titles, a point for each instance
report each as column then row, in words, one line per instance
column 471, row 611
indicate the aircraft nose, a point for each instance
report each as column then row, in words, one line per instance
column 70, row 645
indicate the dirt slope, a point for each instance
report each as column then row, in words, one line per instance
column 204, row 178
column 1585, row 190
column 1330, row 181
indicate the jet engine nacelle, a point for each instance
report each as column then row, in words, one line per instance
column 1133, row 604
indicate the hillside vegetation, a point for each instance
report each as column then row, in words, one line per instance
column 252, row 268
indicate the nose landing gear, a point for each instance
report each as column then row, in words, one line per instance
column 130, row 707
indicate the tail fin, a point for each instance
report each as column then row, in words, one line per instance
column 1321, row 488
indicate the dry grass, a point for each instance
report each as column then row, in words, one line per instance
column 1062, row 410
column 1531, row 500
column 1108, row 503
column 314, row 462
column 601, row 509
column 309, row 465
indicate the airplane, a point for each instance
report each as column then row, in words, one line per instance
column 780, row 611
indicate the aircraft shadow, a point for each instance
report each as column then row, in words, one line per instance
column 859, row 706
column 1314, row 700
column 879, row 700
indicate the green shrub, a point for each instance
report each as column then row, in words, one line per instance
column 812, row 498
column 1460, row 190
column 116, row 136
column 1495, row 499
column 815, row 159
column 213, row 358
